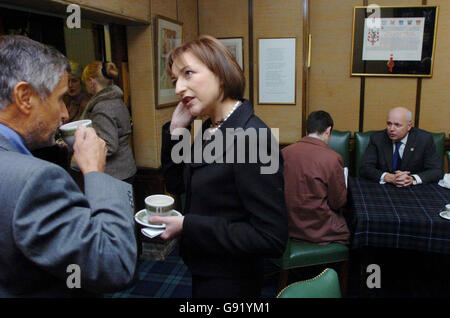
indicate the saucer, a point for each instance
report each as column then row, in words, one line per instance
column 445, row 215
column 142, row 219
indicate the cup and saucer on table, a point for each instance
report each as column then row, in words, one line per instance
column 446, row 213
column 157, row 204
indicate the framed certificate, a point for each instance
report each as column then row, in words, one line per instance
column 276, row 71
column 394, row 41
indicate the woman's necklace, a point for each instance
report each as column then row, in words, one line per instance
column 216, row 125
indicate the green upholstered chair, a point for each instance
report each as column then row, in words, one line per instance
column 361, row 142
column 324, row 285
column 339, row 142
column 301, row 254
column 439, row 141
column 448, row 160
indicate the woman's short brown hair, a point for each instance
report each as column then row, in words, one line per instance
column 218, row 59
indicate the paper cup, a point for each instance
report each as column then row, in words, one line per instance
column 68, row 130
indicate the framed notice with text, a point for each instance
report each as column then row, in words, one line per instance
column 276, row 71
column 168, row 35
column 394, row 41
column 235, row 46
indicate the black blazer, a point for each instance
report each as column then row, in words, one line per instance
column 419, row 157
column 234, row 215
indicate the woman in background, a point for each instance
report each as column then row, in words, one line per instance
column 110, row 118
column 76, row 98
column 234, row 216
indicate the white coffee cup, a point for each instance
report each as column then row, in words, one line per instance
column 159, row 204
column 447, row 207
column 68, row 130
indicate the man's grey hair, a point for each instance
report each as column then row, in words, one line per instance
column 25, row 60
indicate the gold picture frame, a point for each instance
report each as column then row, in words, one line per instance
column 168, row 35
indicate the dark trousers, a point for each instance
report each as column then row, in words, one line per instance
column 223, row 287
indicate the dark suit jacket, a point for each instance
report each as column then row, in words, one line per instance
column 234, row 215
column 47, row 224
column 419, row 157
column 315, row 192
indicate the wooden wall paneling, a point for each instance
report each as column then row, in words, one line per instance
column 282, row 18
column 382, row 94
column 331, row 88
column 140, row 63
column 435, row 106
column 138, row 9
column 188, row 15
column 224, row 19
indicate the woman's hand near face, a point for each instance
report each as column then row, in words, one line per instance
column 181, row 118
column 174, row 225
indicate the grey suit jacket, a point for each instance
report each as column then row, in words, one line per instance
column 419, row 157
column 47, row 224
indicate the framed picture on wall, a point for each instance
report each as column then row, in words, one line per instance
column 276, row 71
column 235, row 46
column 168, row 35
column 394, row 41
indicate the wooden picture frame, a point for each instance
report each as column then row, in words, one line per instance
column 396, row 41
column 236, row 48
column 168, row 35
column 277, row 72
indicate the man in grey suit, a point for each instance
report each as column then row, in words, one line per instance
column 401, row 154
column 54, row 240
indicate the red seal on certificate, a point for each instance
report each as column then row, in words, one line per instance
column 390, row 64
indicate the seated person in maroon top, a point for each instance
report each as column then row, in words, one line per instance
column 315, row 189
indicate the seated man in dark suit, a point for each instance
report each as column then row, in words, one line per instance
column 314, row 185
column 401, row 154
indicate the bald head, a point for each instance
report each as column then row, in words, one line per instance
column 399, row 123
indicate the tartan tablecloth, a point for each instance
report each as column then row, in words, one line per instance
column 408, row 218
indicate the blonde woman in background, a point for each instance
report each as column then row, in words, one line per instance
column 110, row 118
column 76, row 98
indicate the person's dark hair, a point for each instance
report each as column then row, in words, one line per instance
column 318, row 122
column 22, row 59
column 218, row 59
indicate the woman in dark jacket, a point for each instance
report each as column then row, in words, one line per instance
column 234, row 213
column 110, row 118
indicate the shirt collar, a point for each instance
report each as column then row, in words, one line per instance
column 15, row 139
column 404, row 140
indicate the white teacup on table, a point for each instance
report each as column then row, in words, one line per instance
column 446, row 213
column 68, row 130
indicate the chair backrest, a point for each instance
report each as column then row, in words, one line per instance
column 325, row 285
column 439, row 141
column 448, row 161
column 361, row 143
column 339, row 142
